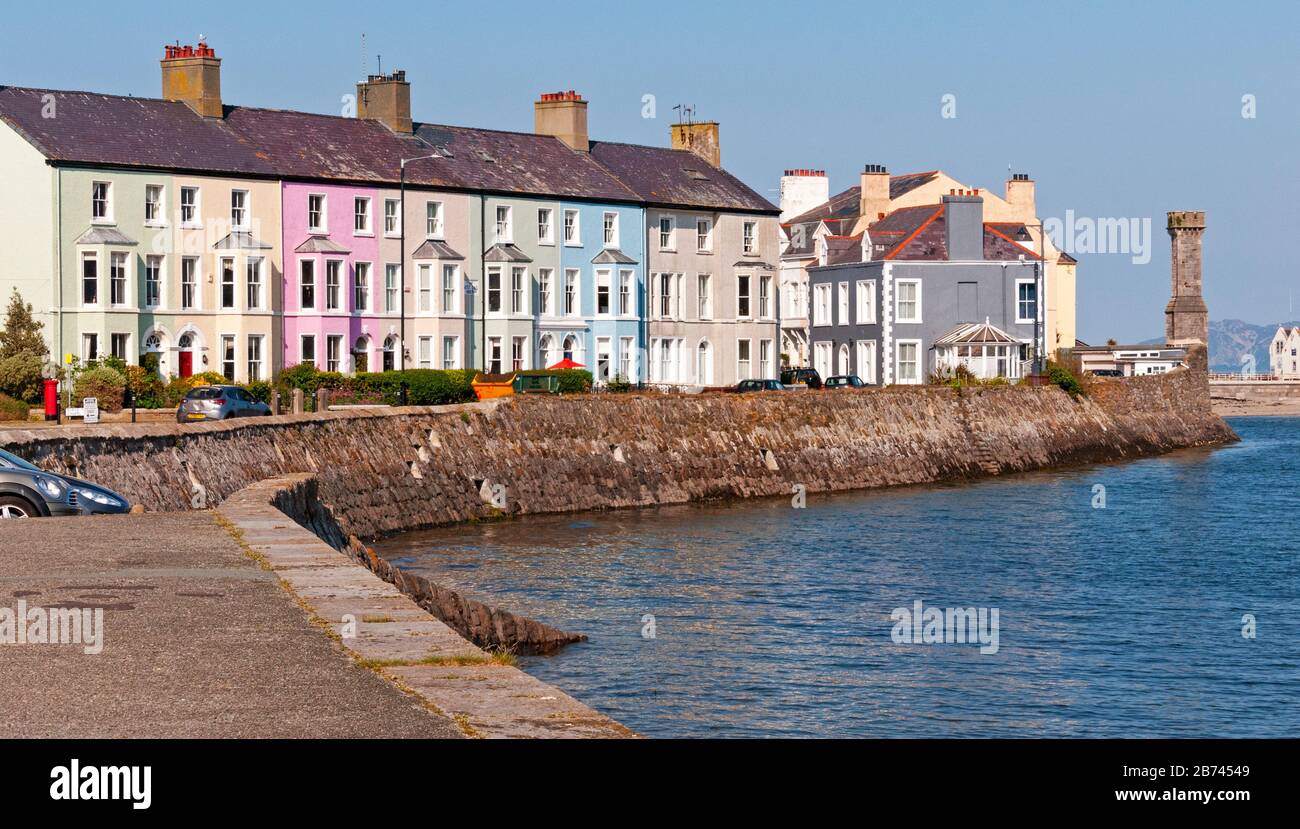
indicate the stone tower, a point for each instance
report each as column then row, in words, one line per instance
column 1187, row 321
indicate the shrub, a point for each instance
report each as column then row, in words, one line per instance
column 103, row 383
column 174, row 392
column 20, row 376
column 1061, row 376
column 424, row 386
column 146, row 387
column 618, row 384
column 572, row 380
column 260, row 390
column 11, row 409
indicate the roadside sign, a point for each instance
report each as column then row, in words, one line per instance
column 91, row 405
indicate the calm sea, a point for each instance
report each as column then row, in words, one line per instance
column 1115, row 618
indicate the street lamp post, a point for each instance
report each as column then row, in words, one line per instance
column 401, row 266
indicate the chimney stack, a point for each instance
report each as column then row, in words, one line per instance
column 874, row 197
column 192, row 76
column 1187, row 320
column 564, row 116
column 700, row 138
column 1020, row 195
column 802, row 190
column 963, row 214
column 386, row 98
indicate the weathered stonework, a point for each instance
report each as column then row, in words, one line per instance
column 386, row 471
column 1187, row 320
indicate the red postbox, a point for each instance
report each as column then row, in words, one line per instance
column 51, row 399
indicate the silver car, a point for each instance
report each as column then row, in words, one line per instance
column 219, row 403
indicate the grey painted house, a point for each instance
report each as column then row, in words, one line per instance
column 924, row 289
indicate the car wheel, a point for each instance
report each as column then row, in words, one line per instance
column 11, row 506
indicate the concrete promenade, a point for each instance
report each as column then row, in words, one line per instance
column 240, row 623
column 199, row 641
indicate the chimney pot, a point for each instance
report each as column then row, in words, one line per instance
column 701, row 138
column 563, row 115
column 193, row 77
column 387, row 99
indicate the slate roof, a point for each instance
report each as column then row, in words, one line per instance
column 104, row 236
column 435, row 249
column 843, row 206
column 505, row 253
column 920, row 234
column 678, row 178
column 123, row 131
column 613, row 256
column 240, row 240
column 841, row 250
column 320, row 244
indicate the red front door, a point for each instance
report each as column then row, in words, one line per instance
column 187, row 363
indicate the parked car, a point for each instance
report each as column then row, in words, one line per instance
column 1106, row 372
column 29, row 492
column 802, row 377
column 219, row 403
column 760, row 385
column 845, row 381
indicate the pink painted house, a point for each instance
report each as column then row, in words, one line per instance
column 342, row 281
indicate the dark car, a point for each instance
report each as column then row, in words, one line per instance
column 29, row 492
column 845, row 381
column 802, row 377
column 760, row 385
column 219, row 403
column 1106, row 372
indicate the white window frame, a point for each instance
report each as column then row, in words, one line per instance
column 363, row 283
column 546, row 226
column 576, row 293
column 454, row 351
column 546, row 293
column 315, row 284
column 604, row 279
column 1022, row 320
column 392, row 288
column 704, row 240
column 574, row 239
column 519, row 297
column 745, row 366
column 253, row 374
column 424, row 352
column 765, row 360
column 195, row 207
column 363, row 208
column 255, row 264
column 302, row 350
column 505, row 230
column 866, row 357
column 626, row 293
column 197, row 304
column 88, row 337
column 424, row 303
column 435, row 219
column 842, row 304
column 245, row 210
column 670, row 243
column 224, row 340
column 450, row 294
column 161, row 270
column 747, row 279
column 626, row 359
column 704, row 295
column 333, row 355
column 749, row 238
column 766, row 302
column 898, row 302
column 609, row 228
column 221, row 284
column 395, row 230
column 822, row 304
column 322, row 222
column 500, row 273
column 336, row 303
column 105, row 218
column 898, row 363
column 114, row 258
column 159, row 207
column 866, row 298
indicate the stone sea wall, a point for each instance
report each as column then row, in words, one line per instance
column 385, row 471
column 379, row 472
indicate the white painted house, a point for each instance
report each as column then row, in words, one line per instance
column 1283, row 361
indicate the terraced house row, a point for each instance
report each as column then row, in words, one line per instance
column 244, row 240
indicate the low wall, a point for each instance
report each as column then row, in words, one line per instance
column 1272, row 391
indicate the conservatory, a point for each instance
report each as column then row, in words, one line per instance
column 984, row 349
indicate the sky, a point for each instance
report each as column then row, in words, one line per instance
column 1118, row 110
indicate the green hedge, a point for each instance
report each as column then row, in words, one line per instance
column 424, row 386
column 572, row 380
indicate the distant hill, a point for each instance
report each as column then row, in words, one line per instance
column 1231, row 339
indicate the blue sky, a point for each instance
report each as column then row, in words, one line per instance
column 1118, row 110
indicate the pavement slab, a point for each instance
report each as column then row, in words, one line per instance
column 199, row 641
